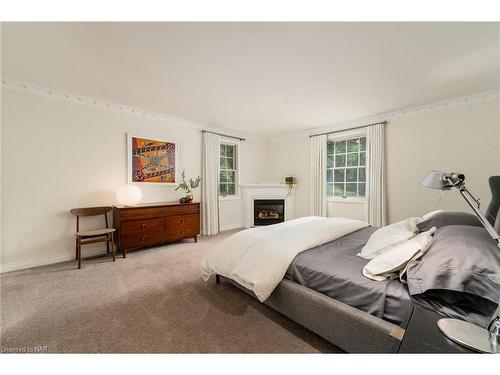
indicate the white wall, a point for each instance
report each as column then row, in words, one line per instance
column 464, row 138
column 57, row 155
column 292, row 158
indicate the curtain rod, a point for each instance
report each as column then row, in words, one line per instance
column 343, row 130
column 223, row 135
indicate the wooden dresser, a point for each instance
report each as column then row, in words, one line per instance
column 155, row 223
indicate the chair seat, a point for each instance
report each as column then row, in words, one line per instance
column 95, row 233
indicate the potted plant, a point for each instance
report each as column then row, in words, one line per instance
column 291, row 182
column 187, row 186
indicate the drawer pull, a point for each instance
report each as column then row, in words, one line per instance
column 183, row 221
column 143, row 226
column 143, row 238
column 183, row 231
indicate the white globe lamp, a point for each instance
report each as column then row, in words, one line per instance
column 129, row 195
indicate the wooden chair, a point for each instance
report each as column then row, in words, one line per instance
column 93, row 236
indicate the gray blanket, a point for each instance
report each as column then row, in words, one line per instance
column 334, row 269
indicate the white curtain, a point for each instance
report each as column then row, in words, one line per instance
column 210, row 184
column 376, row 175
column 318, row 175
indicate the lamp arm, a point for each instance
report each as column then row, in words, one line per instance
column 494, row 327
column 473, row 203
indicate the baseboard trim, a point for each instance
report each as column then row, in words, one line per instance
column 52, row 259
column 232, row 226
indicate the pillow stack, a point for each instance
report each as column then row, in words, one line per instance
column 395, row 259
column 391, row 247
column 462, row 259
column 460, row 255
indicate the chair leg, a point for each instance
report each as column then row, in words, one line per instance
column 113, row 246
column 79, row 253
column 76, row 248
column 107, row 247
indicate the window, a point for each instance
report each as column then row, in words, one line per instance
column 346, row 168
column 228, row 170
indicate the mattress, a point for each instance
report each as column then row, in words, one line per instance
column 333, row 269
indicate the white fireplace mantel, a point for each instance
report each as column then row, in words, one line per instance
column 250, row 192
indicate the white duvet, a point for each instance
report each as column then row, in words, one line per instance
column 258, row 258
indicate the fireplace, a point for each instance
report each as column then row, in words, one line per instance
column 268, row 211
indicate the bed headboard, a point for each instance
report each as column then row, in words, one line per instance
column 493, row 211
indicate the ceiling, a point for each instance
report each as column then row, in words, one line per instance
column 267, row 79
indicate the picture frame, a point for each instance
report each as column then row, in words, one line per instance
column 152, row 160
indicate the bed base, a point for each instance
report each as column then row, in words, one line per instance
column 344, row 326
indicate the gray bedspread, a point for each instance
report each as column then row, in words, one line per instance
column 334, row 269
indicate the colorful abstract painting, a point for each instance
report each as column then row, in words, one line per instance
column 152, row 160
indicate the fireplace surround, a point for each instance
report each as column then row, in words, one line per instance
column 266, row 191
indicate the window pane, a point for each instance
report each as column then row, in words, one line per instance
column 340, row 160
column 330, row 148
column 362, row 174
column 230, row 163
column 353, row 145
column 339, row 175
column 340, row 147
column 230, row 176
column 329, row 175
column 223, row 150
column 231, row 188
column 351, row 189
column 223, row 163
column 338, row 190
column 352, row 160
column 361, row 190
column 223, row 189
column 351, row 175
column 223, row 176
column 329, row 190
column 362, row 158
column 362, row 144
column 229, row 151
column 329, row 161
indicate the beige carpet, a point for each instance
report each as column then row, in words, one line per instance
column 153, row 301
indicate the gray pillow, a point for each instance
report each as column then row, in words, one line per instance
column 460, row 258
column 444, row 218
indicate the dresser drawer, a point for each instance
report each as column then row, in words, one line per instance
column 136, row 233
column 142, row 213
column 182, row 226
column 180, row 209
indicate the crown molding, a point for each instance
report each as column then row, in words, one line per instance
column 85, row 100
column 387, row 116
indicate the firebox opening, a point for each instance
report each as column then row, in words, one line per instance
column 268, row 211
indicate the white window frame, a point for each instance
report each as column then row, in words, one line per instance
column 342, row 137
column 236, row 195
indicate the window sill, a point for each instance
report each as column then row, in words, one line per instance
column 230, row 198
column 346, row 200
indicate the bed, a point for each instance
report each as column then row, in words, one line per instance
column 324, row 290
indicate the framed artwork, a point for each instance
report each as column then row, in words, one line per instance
column 152, row 161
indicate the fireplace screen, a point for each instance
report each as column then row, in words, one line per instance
column 268, row 211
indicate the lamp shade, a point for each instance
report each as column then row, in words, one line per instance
column 435, row 180
column 129, row 195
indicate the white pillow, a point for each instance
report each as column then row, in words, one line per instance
column 385, row 238
column 388, row 263
column 430, row 214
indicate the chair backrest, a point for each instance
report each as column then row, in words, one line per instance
column 494, row 206
column 90, row 211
